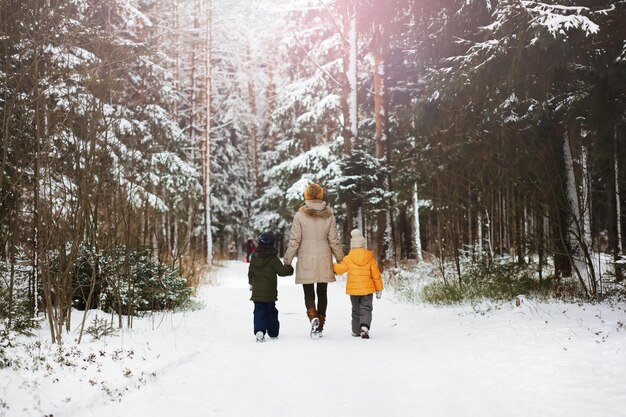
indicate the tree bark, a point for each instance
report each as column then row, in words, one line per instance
column 207, row 180
column 416, row 219
column 349, row 102
column 380, row 118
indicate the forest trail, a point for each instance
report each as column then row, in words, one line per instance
column 420, row 361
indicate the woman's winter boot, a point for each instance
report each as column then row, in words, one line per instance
column 315, row 322
column 320, row 329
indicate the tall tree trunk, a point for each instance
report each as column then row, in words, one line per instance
column 253, row 130
column 617, row 247
column 501, row 221
column 5, row 137
column 193, row 103
column 574, row 235
column 556, row 207
column 271, row 105
column 479, row 228
column 11, row 272
column 349, row 102
column 585, row 202
column 618, row 208
column 470, row 226
column 440, row 236
column 416, row 219
column 380, row 118
column 39, row 248
column 404, row 232
column 207, row 140
column 540, row 237
column 455, row 235
column 352, row 74
column 517, row 213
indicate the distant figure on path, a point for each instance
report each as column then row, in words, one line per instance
column 262, row 272
column 249, row 247
column 313, row 240
column 363, row 281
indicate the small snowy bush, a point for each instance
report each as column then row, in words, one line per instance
column 88, row 267
column 407, row 281
column 15, row 300
column 441, row 293
column 499, row 281
column 6, row 339
column 100, row 328
column 16, row 315
column 134, row 282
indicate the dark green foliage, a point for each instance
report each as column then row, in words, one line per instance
column 128, row 282
column 100, row 328
column 15, row 308
column 503, row 282
column 134, row 282
column 5, row 343
column 85, row 272
column 16, row 315
column 362, row 178
column 440, row 293
column 15, row 318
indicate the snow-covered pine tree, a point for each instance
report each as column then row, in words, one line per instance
column 237, row 108
column 104, row 144
column 535, row 64
column 305, row 130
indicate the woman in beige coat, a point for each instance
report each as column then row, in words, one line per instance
column 313, row 240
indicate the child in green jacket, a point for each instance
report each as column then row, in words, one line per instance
column 264, row 267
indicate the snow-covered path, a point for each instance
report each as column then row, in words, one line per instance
column 422, row 361
column 419, row 362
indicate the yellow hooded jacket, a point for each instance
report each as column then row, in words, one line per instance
column 363, row 273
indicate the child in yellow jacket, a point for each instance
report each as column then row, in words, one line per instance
column 363, row 281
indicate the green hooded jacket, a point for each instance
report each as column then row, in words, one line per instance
column 264, row 267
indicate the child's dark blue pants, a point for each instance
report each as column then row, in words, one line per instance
column 266, row 318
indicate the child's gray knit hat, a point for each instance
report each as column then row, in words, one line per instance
column 357, row 240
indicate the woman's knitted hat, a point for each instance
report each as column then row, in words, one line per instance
column 357, row 240
column 313, row 192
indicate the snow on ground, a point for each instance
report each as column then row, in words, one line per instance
column 548, row 359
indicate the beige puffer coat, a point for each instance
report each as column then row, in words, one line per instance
column 313, row 240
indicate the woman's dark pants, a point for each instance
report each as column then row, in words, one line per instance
column 322, row 296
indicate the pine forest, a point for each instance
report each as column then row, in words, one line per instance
column 142, row 141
